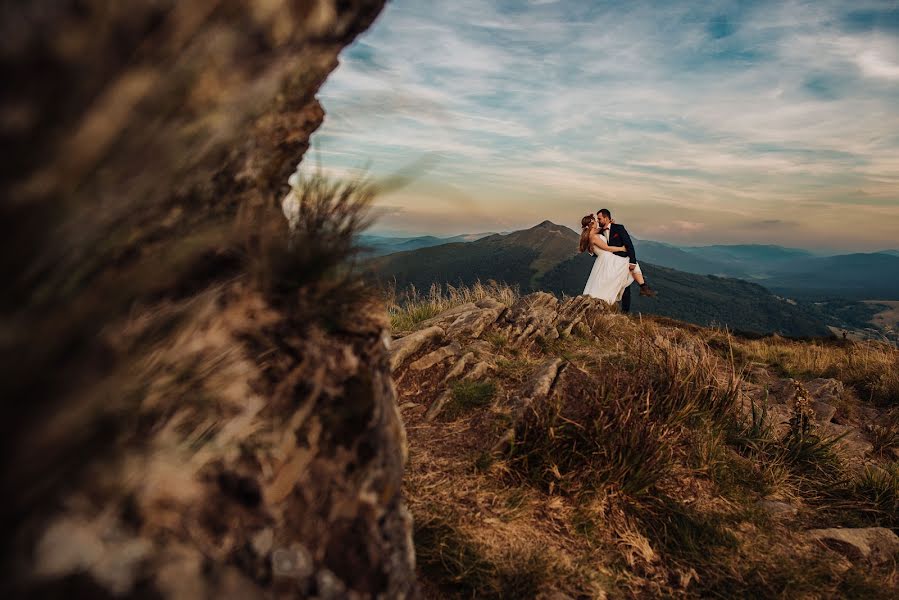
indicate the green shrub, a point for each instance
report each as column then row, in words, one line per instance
column 467, row 395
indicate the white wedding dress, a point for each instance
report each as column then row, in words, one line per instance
column 609, row 277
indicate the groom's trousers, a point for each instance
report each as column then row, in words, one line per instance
column 626, row 300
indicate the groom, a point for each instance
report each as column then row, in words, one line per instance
column 617, row 235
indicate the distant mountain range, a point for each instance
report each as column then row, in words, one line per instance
column 545, row 258
column 791, row 272
column 786, row 271
column 376, row 245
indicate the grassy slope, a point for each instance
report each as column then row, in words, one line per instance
column 704, row 300
column 573, row 508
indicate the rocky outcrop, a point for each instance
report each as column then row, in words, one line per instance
column 198, row 424
column 776, row 399
column 451, row 346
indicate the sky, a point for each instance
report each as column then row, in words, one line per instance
column 693, row 122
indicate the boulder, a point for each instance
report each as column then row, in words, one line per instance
column 542, row 315
column 824, row 412
column 852, row 445
column 825, row 390
column 875, row 544
column 583, row 312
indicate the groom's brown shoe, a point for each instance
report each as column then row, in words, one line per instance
column 645, row 290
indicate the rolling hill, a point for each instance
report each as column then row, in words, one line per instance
column 852, row 276
column 376, row 245
column 666, row 255
column 544, row 257
column 787, row 271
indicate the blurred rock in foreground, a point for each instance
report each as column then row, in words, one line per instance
column 190, row 411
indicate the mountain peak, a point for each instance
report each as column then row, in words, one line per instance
column 547, row 225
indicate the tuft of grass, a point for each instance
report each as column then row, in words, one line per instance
column 751, row 432
column 680, row 530
column 594, row 433
column 467, row 395
column 885, row 434
column 311, row 258
column 497, row 340
column 878, row 490
column 410, row 307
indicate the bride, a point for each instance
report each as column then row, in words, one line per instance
column 610, row 274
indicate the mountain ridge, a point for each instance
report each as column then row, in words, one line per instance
column 545, row 257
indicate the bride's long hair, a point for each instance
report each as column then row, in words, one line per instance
column 586, row 228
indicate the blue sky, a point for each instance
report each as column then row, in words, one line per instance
column 699, row 122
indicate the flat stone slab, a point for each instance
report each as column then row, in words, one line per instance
column 440, row 354
column 437, row 407
column 404, row 347
column 877, row 544
column 544, row 377
column 457, row 369
column 478, row 371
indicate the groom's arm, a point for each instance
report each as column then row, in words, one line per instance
column 626, row 240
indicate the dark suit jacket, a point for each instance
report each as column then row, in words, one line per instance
column 618, row 236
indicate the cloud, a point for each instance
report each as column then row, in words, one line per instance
column 734, row 110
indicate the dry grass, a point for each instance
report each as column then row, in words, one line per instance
column 885, row 433
column 313, row 259
column 408, row 308
column 870, row 368
column 640, row 476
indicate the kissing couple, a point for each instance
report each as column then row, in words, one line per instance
column 616, row 260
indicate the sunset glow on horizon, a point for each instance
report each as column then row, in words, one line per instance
column 695, row 123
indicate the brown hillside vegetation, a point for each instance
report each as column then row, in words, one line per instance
column 561, row 449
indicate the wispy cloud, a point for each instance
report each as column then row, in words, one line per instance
column 716, row 113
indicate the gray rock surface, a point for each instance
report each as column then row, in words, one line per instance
column 825, row 390
column 406, row 346
column 468, row 320
column 876, row 544
column 429, row 360
column 824, row 412
column 852, row 445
